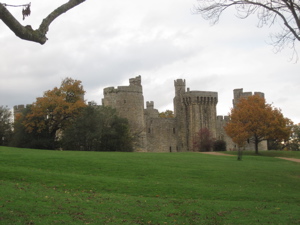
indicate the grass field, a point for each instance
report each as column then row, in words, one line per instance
column 61, row 187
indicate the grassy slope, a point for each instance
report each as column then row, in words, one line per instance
column 58, row 187
column 273, row 153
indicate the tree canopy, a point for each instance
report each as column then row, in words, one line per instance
column 167, row 114
column 98, row 128
column 23, row 139
column 255, row 120
column 203, row 140
column 56, row 109
column 26, row 32
column 5, row 125
column 269, row 12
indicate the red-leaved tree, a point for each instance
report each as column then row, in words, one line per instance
column 203, row 141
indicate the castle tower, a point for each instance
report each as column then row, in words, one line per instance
column 200, row 113
column 179, row 92
column 129, row 103
column 194, row 110
column 180, row 115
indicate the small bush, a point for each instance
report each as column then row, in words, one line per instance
column 219, row 145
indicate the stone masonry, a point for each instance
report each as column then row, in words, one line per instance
column 193, row 110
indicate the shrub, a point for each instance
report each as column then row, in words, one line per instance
column 219, row 145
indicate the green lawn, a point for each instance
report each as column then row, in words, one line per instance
column 273, row 153
column 64, row 187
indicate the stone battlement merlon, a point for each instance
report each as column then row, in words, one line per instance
column 122, row 89
column 21, row 107
column 179, row 82
column 137, row 81
column 179, row 87
column 200, row 100
column 223, row 118
column 150, row 105
column 200, row 97
column 261, row 94
column 238, row 93
column 202, row 93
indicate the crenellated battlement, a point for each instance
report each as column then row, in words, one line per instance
column 150, row 105
column 137, row 81
column 134, row 87
column 122, row 89
column 223, row 118
column 238, row 94
column 261, row 94
column 20, row 108
column 200, row 97
column 179, row 87
column 179, row 82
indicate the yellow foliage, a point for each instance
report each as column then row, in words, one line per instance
column 56, row 109
column 254, row 118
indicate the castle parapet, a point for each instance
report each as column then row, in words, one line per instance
column 261, row 94
column 122, row 89
column 223, row 119
column 200, row 97
column 20, row 108
column 150, row 105
column 137, row 81
column 238, row 94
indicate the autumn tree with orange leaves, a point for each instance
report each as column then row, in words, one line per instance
column 56, row 109
column 254, row 119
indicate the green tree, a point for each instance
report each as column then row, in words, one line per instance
column 294, row 141
column 56, row 110
column 255, row 120
column 5, row 125
column 167, row 114
column 269, row 12
column 219, row 145
column 98, row 128
column 26, row 32
column 23, row 139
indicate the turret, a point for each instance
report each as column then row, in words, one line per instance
column 179, row 87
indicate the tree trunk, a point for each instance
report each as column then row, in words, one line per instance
column 256, row 145
column 239, row 154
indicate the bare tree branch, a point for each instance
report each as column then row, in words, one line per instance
column 267, row 11
column 26, row 32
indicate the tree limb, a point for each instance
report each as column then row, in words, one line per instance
column 267, row 11
column 26, row 32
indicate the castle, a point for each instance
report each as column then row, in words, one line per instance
column 193, row 110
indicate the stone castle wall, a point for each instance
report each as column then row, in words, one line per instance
column 161, row 133
column 221, row 134
column 129, row 103
column 193, row 110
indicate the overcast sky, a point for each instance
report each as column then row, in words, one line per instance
column 104, row 43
